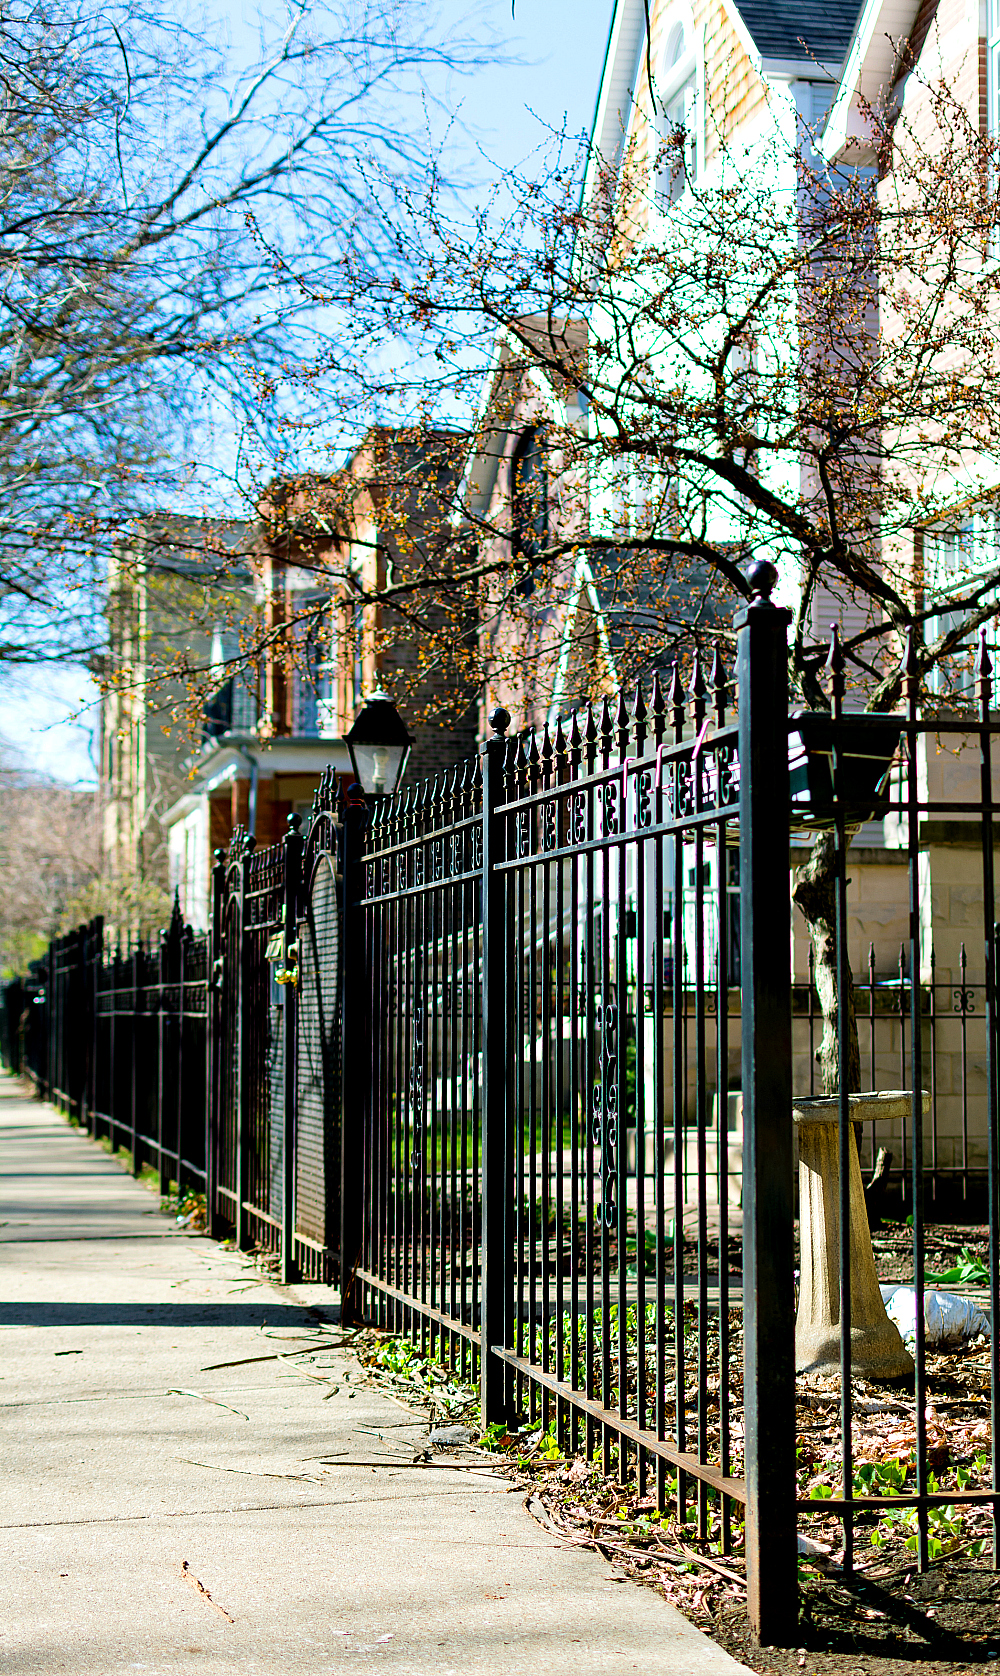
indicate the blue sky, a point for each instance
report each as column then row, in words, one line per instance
column 48, row 716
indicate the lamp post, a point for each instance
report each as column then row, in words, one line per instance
column 379, row 745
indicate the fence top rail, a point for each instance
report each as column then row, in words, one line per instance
column 417, row 840
column 682, row 752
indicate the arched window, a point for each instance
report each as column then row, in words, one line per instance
column 529, row 495
column 677, row 117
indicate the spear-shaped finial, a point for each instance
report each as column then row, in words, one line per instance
column 835, row 670
column 675, row 699
column 984, row 675
column 718, row 680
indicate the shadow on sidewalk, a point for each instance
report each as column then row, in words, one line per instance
column 44, row 1314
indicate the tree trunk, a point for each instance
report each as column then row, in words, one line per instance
column 815, row 892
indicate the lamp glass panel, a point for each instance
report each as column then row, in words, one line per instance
column 378, row 766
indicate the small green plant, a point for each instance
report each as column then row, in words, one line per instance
column 945, row 1526
column 549, row 1449
column 968, row 1271
column 880, row 1478
column 497, row 1437
column 648, row 1253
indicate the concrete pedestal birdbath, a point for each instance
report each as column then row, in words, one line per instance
column 877, row 1350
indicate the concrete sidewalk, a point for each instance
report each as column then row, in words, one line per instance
column 127, row 1456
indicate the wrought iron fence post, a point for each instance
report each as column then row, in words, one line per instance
column 51, row 1026
column 95, row 955
column 497, row 1247
column 356, row 1058
column 163, row 973
column 768, row 1297
column 214, row 1046
column 244, row 1088
column 293, row 877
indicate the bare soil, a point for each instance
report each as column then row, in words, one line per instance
column 947, row 1620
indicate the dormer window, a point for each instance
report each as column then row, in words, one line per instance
column 677, row 117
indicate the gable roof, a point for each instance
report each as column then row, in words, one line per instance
column 801, row 31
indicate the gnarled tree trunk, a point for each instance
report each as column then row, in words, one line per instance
column 815, row 892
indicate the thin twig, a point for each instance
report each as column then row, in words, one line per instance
column 189, row 1577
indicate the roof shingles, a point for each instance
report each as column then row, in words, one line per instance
column 797, row 29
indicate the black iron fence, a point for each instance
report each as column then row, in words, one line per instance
column 514, row 1055
column 277, row 977
column 543, row 1060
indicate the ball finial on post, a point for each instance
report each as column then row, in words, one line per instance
column 499, row 720
column 762, row 576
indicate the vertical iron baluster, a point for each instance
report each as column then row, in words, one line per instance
column 408, row 1009
column 435, row 1020
column 657, row 705
column 590, row 1075
column 292, row 870
column 453, row 900
column 963, row 1004
column 577, row 1074
column 901, row 1016
column 640, row 861
column 616, row 801
column 911, row 675
column 675, row 699
column 244, row 1051
column 835, row 667
column 470, row 987
column 991, row 941
column 608, row 1037
column 495, row 1318
column 524, row 1215
column 559, row 1026
column 812, row 1021
column 397, row 875
column 161, row 1013
column 871, row 1027
column 696, row 695
column 424, row 1182
column 532, row 1048
column 722, row 1103
column 544, row 1031
column 931, row 991
column 478, row 1201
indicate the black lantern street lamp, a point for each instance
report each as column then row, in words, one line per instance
column 379, row 745
column 851, row 756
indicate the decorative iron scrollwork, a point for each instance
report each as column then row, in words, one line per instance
column 417, row 1089
column 605, row 1114
column 608, row 794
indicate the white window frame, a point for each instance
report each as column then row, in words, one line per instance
column 685, row 76
column 959, row 552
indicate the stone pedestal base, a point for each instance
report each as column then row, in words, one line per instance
column 877, row 1351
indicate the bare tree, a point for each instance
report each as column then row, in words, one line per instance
column 808, row 372
column 150, row 185
column 49, row 857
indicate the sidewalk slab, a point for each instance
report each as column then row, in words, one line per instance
column 126, row 1456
